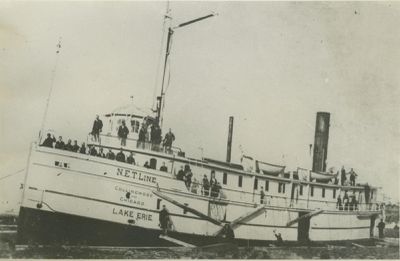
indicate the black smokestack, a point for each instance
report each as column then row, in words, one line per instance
column 321, row 141
column 229, row 145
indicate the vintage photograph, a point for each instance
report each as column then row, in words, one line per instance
column 199, row 130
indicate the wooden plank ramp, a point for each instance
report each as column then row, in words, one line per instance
column 176, row 241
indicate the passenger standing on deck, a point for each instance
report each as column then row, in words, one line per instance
column 153, row 138
column 93, row 151
column 164, row 219
column 120, row 156
column 60, row 144
column 142, row 137
column 48, row 142
column 110, row 155
column 352, row 177
column 101, row 153
column 131, row 159
column 188, row 177
column 158, row 137
column 97, row 128
column 75, row 147
column 181, row 174
column 82, row 150
column 339, row 203
column 381, row 227
column 123, row 133
column 343, row 176
column 262, row 195
column 346, row 201
column 68, row 146
column 206, row 186
column 164, row 168
column 168, row 140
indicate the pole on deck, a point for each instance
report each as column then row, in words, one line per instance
column 229, row 144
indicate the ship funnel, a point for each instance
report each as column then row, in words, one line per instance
column 229, row 144
column 321, row 141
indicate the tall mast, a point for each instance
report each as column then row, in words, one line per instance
column 50, row 91
column 161, row 99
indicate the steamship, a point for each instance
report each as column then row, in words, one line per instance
column 74, row 198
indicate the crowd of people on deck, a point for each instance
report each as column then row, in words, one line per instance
column 347, row 203
column 208, row 187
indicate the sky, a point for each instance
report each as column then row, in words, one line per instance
column 271, row 65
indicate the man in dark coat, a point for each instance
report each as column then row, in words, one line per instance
column 142, row 137
column 131, row 159
column 75, row 147
column 206, row 186
column 120, row 156
column 48, row 142
column 381, row 227
column 352, row 178
column 168, row 140
column 97, row 128
column 82, row 150
column 123, row 133
column 101, row 153
column 69, row 146
column 262, row 195
column 164, row 219
column 343, row 176
column 181, row 174
column 164, row 168
column 93, row 151
column 60, row 144
column 110, row 155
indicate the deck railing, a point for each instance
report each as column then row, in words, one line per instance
column 116, row 142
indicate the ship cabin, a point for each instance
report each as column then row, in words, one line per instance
column 238, row 182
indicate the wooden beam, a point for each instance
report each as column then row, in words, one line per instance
column 187, row 208
column 309, row 215
column 244, row 218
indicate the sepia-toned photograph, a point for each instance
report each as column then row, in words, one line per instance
column 199, row 130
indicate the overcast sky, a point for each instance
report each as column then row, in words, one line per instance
column 271, row 65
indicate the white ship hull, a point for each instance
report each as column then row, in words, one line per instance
column 77, row 198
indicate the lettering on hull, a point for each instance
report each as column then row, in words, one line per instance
column 137, row 216
column 132, row 174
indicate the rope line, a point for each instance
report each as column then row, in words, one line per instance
column 12, row 174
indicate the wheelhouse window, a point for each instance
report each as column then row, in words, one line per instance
column 255, row 183
column 266, row 185
column 301, row 190
column 323, row 192
column 240, row 181
column 312, row 191
column 225, row 178
column 334, row 193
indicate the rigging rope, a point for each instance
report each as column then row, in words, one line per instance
column 12, row 174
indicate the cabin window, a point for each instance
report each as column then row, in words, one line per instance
column 334, row 193
column 312, row 191
column 266, row 185
column 281, row 188
column 135, row 126
column 240, row 181
column 225, row 178
column 301, row 190
column 323, row 192
column 255, row 183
